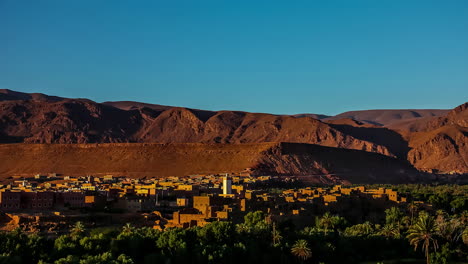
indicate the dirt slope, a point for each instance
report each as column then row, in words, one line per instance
column 323, row 164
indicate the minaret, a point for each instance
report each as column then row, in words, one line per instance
column 227, row 185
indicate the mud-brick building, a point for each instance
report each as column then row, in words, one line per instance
column 71, row 199
column 15, row 200
column 37, row 200
column 10, row 200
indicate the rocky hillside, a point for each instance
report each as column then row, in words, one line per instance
column 444, row 149
column 76, row 121
column 321, row 164
column 431, row 140
column 457, row 116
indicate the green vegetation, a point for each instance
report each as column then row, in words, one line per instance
column 451, row 198
column 412, row 233
column 438, row 238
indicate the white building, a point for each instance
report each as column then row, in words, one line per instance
column 227, row 185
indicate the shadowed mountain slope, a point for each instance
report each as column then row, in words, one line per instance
column 443, row 143
column 382, row 136
column 321, row 164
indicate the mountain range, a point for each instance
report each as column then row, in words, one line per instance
column 413, row 141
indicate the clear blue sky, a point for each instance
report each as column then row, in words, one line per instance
column 280, row 57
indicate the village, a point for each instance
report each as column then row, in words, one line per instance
column 51, row 203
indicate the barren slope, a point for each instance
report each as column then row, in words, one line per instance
column 324, row 164
column 130, row 105
column 382, row 136
column 441, row 143
column 388, row 116
column 444, row 149
column 438, row 143
column 75, row 121
column 429, row 139
column 457, row 116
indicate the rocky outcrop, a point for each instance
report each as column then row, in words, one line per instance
column 456, row 117
column 442, row 150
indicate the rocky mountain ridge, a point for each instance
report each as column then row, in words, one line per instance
column 434, row 140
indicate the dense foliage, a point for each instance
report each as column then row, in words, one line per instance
column 451, row 198
column 409, row 233
column 330, row 240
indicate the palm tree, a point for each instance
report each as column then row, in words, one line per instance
column 242, row 228
column 390, row 231
column 393, row 216
column 465, row 236
column 424, row 232
column 127, row 229
column 413, row 208
column 440, row 217
column 276, row 236
column 406, row 222
column 326, row 222
column 450, row 229
column 464, row 218
column 301, row 249
column 77, row 229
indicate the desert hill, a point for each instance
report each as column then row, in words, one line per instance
column 431, row 140
column 444, row 149
column 315, row 116
column 374, row 117
column 76, row 121
column 457, row 116
column 131, row 105
column 382, row 136
column 321, row 164
column 389, row 116
column 438, row 144
column 9, row 95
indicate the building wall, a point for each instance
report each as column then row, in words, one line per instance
column 72, row 199
column 10, row 201
column 37, row 200
column 202, row 204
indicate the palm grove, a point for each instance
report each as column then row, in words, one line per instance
column 408, row 233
